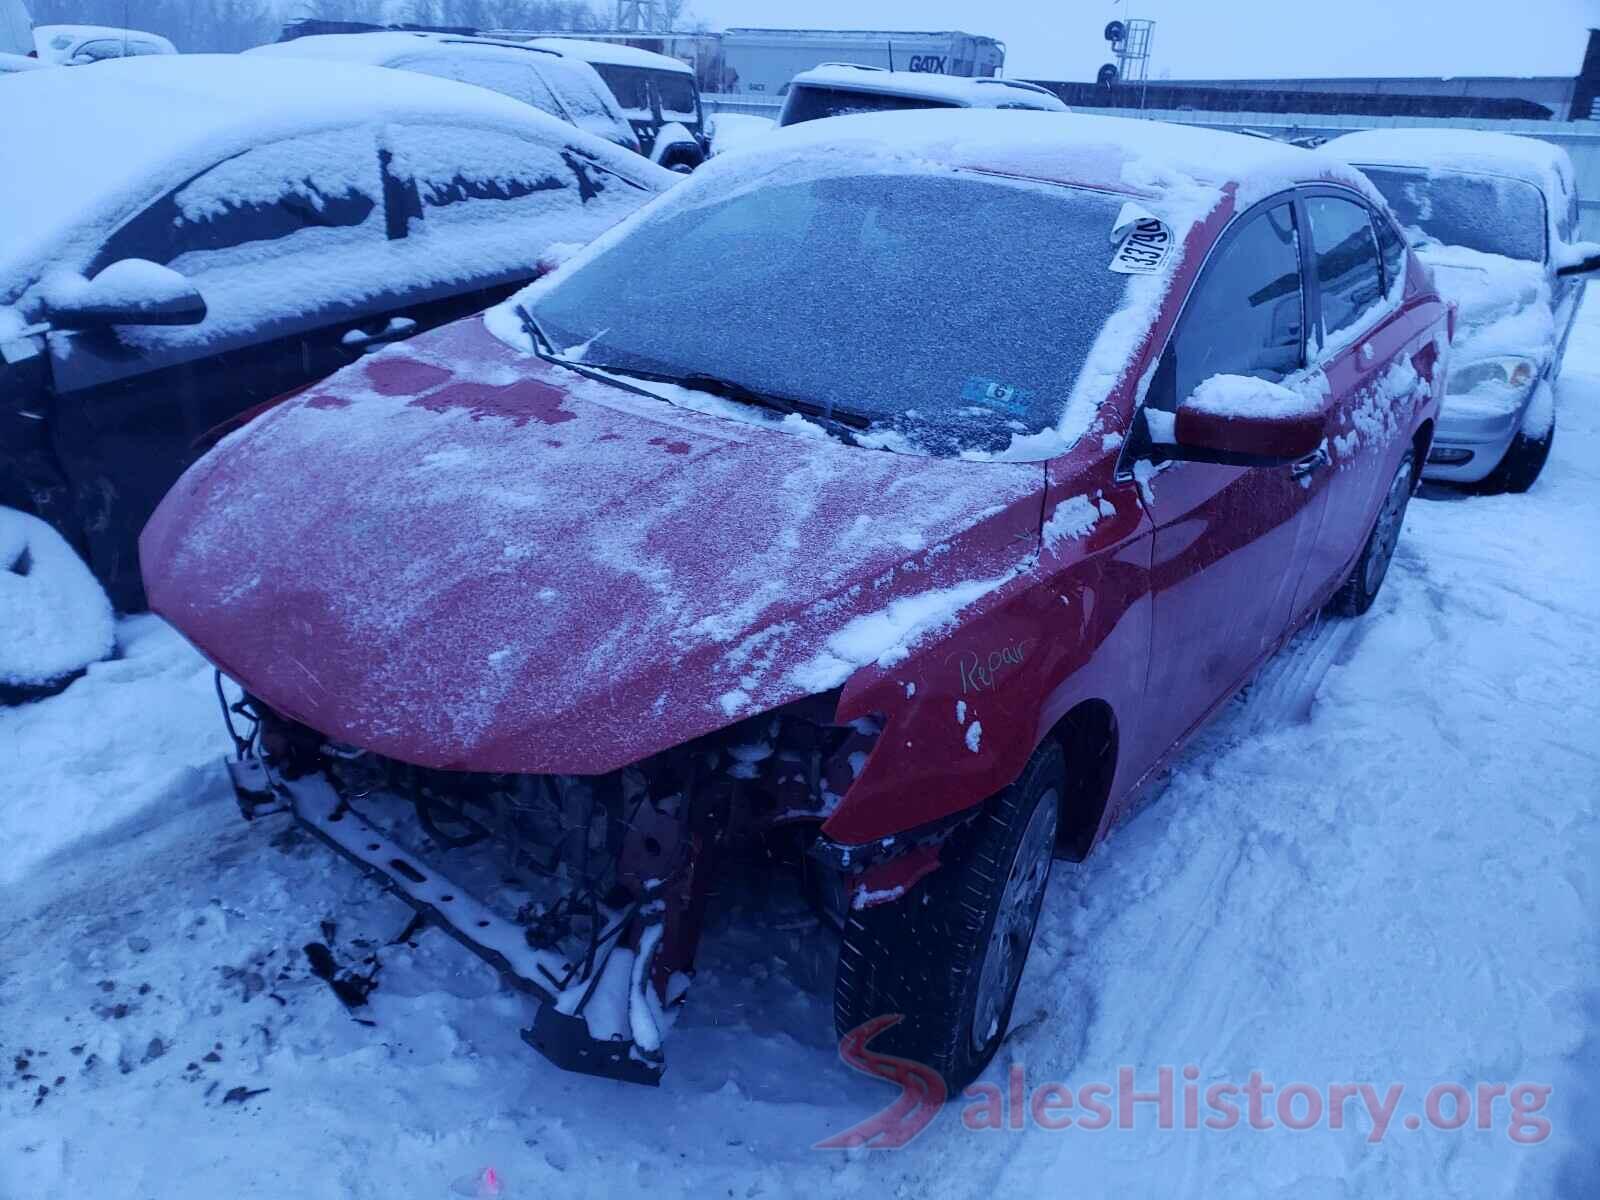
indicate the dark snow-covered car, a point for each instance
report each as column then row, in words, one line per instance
column 183, row 238
column 1015, row 447
column 842, row 89
column 1496, row 218
column 567, row 88
column 659, row 95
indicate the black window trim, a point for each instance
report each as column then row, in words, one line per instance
column 1308, row 270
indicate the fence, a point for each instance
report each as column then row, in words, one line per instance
column 1580, row 139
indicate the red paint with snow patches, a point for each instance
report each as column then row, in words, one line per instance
column 722, row 620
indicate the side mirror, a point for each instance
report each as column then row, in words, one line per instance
column 131, row 291
column 1583, row 266
column 1247, row 422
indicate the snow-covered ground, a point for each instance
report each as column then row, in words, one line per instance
column 1379, row 866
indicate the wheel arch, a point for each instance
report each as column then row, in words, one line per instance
column 1090, row 741
column 1421, row 443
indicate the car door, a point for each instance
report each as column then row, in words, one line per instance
column 1230, row 542
column 1364, row 346
column 489, row 202
column 286, row 244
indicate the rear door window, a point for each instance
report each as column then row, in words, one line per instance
column 630, row 85
column 492, row 200
column 1393, row 248
column 1346, row 256
column 679, row 99
column 1247, row 314
column 808, row 103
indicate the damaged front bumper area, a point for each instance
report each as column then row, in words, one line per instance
column 592, row 897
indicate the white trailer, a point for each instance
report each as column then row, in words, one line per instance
column 762, row 61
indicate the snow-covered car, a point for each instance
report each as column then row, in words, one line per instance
column 1014, row 449
column 568, row 89
column 190, row 236
column 16, row 64
column 1496, row 218
column 659, row 95
column 840, row 89
column 79, row 45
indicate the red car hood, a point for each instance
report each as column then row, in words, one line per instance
column 464, row 557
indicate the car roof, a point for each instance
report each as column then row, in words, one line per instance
column 44, row 37
column 384, row 47
column 1543, row 164
column 93, row 144
column 615, row 54
column 952, row 89
column 1119, row 154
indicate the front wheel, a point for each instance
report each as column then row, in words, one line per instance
column 948, row 958
column 1358, row 592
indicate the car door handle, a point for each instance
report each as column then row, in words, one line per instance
column 393, row 331
column 1310, row 464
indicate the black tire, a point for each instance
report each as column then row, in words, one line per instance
column 1522, row 464
column 922, row 957
column 1358, row 592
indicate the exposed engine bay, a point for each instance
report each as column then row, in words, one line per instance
column 597, row 891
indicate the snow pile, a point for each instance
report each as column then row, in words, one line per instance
column 54, row 617
column 1075, row 518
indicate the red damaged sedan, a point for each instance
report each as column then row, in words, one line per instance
column 895, row 496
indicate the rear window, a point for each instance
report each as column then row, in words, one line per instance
column 930, row 308
column 1487, row 213
column 809, row 103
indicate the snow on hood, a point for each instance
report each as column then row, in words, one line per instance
column 1505, row 303
column 464, row 557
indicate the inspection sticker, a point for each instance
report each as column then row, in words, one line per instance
column 1145, row 248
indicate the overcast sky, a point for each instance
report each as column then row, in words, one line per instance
column 1061, row 39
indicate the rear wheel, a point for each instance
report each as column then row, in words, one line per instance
column 948, row 958
column 1358, row 592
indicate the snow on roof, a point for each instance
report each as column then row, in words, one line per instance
column 1543, row 164
column 381, row 48
column 614, row 54
column 96, row 144
column 56, row 42
column 1150, row 158
column 968, row 93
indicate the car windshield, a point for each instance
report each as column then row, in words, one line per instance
column 943, row 313
column 809, row 103
column 1488, row 213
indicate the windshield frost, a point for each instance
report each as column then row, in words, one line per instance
column 1487, row 213
column 949, row 312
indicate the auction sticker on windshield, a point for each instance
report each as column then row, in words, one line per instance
column 1144, row 249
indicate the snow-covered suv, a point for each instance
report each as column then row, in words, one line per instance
column 1496, row 217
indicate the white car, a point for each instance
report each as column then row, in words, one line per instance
column 839, row 89
column 1496, row 218
column 568, row 89
column 79, row 45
